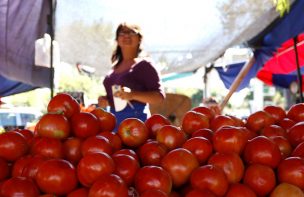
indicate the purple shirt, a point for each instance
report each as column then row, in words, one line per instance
column 142, row 76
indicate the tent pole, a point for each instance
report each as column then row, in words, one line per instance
column 237, row 81
column 295, row 41
column 51, row 50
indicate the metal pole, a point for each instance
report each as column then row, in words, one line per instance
column 295, row 41
column 50, row 22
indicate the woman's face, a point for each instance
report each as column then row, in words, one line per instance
column 128, row 38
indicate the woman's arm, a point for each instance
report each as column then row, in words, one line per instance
column 151, row 97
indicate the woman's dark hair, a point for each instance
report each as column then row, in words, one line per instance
column 117, row 54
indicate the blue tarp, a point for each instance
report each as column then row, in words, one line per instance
column 266, row 43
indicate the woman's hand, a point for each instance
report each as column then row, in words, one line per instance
column 103, row 101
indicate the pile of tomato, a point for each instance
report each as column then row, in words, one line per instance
column 74, row 153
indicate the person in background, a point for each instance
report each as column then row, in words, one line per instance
column 133, row 72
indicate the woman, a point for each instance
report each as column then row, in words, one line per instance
column 133, row 72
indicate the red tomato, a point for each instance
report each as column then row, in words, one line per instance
column 179, row 163
column 277, row 112
column 126, row 167
column 72, row 149
column 296, row 112
column 291, row 170
column 201, row 147
column 298, row 151
column 206, row 133
column 200, row 193
column 19, row 186
column 13, row 145
column 113, row 138
column 152, row 177
column 19, row 165
column 4, row 169
column 155, row 122
column 154, row 193
column 262, row 150
column 273, row 130
column 286, row 189
column 211, row 178
column 231, row 164
column 286, row 123
column 238, row 122
column 47, row 147
column 31, row 168
column 56, row 176
column 63, row 103
column 96, row 144
column 127, row 151
column 193, row 121
column 205, row 110
column 93, row 166
column 53, row 126
column 84, row 124
column 258, row 120
column 249, row 133
column 283, row 144
column 229, row 139
column 133, row 132
column 80, row 192
column 221, row 120
column 109, row 185
column 107, row 120
column 28, row 134
column 171, row 136
column 240, row 190
column 260, row 178
column 295, row 134
column 152, row 152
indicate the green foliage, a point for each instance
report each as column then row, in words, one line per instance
column 282, row 6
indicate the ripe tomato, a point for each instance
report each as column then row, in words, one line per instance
column 13, row 145
column 295, row 134
column 72, row 149
column 298, row 151
column 221, row 120
column 126, row 167
column 152, row 177
column 19, row 164
column 113, row 138
column 240, row 190
column 19, row 186
column 229, row 139
column 109, row 185
column 258, row 120
column 201, row 147
column 231, row 164
column 205, row 110
column 56, row 176
column 96, row 143
column 152, row 152
column 47, row 147
column 4, row 169
column 262, row 150
column 238, row 122
column 171, row 136
column 179, row 163
column 155, row 122
column 296, row 112
column 209, row 177
column 291, row 170
column 283, row 144
column 93, row 166
column 206, row 133
column 200, row 193
column 273, row 130
column 53, row 126
column 286, row 123
column 31, row 168
column 154, row 193
column 286, row 189
column 260, row 178
column 193, row 121
column 84, row 124
column 277, row 112
column 79, row 192
column 28, row 134
column 63, row 103
column 107, row 120
column 133, row 132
